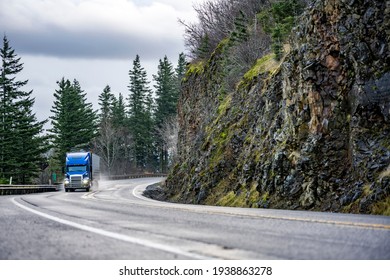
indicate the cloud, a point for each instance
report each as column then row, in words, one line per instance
column 93, row 41
column 93, row 28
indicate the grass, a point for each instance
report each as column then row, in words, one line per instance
column 382, row 207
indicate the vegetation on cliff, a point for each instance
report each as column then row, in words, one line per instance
column 308, row 132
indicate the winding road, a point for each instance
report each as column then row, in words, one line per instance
column 114, row 221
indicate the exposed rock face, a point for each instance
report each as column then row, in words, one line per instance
column 310, row 133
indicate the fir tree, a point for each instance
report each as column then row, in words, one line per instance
column 279, row 20
column 21, row 145
column 74, row 120
column 180, row 70
column 204, row 48
column 106, row 102
column 107, row 141
column 166, row 91
column 29, row 145
column 166, row 101
column 140, row 106
column 120, row 122
column 239, row 33
column 119, row 117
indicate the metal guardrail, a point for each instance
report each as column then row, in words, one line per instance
column 25, row 189
column 133, row 176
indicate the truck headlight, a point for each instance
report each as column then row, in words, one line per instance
column 85, row 181
column 66, row 182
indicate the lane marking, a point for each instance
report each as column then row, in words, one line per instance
column 113, row 235
column 192, row 208
column 137, row 192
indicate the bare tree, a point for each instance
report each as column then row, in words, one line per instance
column 169, row 135
column 242, row 55
column 216, row 21
column 108, row 144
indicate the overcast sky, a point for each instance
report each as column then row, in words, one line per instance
column 93, row 41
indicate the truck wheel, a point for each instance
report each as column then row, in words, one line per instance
column 87, row 189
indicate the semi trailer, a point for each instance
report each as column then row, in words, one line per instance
column 82, row 170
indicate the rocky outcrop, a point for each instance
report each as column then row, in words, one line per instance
column 155, row 192
column 311, row 132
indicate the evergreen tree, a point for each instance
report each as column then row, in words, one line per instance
column 106, row 102
column 140, row 107
column 279, row 20
column 149, row 121
column 277, row 43
column 119, row 117
column 120, row 121
column 107, row 141
column 166, row 91
column 180, row 71
column 21, row 146
column 29, row 145
column 204, row 48
column 166, row 101
column 74, row 120
column 239, row 33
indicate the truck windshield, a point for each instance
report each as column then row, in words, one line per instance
column 81, row 168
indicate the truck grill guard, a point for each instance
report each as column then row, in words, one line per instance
column 75, row 181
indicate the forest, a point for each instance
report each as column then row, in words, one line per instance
column 131, row 133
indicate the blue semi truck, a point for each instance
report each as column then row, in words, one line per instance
column 81, row 171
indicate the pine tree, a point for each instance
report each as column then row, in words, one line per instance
column 204, row 48
column 74, row 120
column 120, row 122
column 166, row 101
column 277, row 41
column 279, row 20
column 29, row 145
column 108, row 140
column 239, row 33
column 21, row 145
column 119, row 117
column 166, row 91
column 180, row 71
column 140, row 106
column 106, row 102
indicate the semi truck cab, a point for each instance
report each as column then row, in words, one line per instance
column 78, row 171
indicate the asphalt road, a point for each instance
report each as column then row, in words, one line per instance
column 114, row 221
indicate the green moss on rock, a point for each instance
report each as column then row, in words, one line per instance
column 265, row 64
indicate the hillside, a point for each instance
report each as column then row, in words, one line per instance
column 311, row 131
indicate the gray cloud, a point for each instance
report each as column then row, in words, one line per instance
column 93, row 28
column 59, row 43
column 93, row 41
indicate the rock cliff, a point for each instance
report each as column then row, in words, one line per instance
column 309, row 132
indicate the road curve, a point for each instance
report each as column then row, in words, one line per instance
column 114, row 221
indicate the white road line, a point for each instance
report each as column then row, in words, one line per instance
column 135, row 190
column 114, row 235
column 232, row 212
